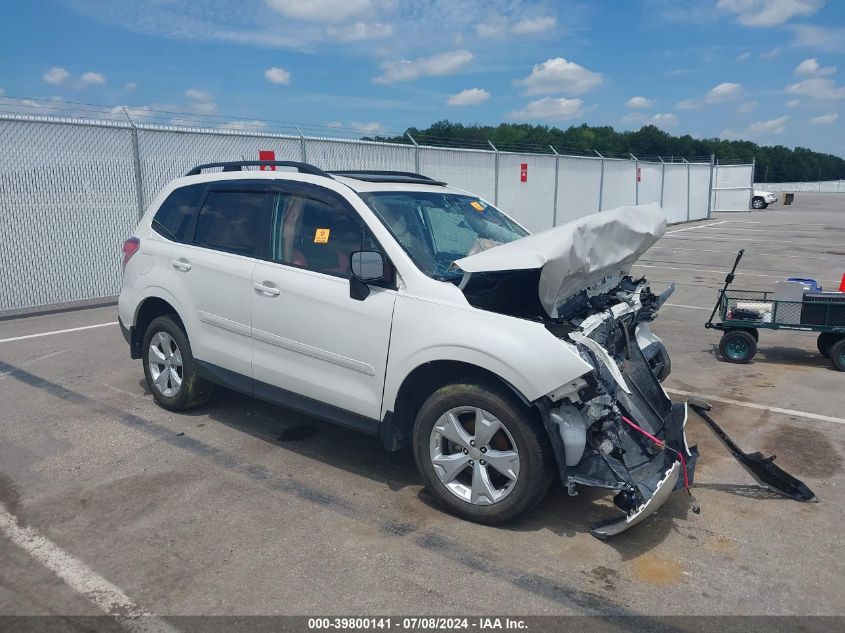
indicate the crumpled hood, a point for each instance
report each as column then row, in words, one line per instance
column 576, row 255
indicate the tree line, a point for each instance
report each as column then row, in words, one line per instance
column 775, row 163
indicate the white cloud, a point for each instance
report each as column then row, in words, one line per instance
column 244, row 126
column 368, row 128
column 334, row 124
column 322, row 11
column 202, row 102
column 558, row 75
column 748, row 106
column 496, row 25
column 723, row 92
column 793, row 103
column 360, row 31
column 277, row 75
column 534, row 25
column 743, row 56
column 2, row 93
column 56, row 76
column 410, row 69
column 550, row 109
column 665, row 120
column 93, row 79
column 812, row 68
column 129, row 86
column 770, row 54
column 818, row 88
column 726, row 91
column 768, row 12
column 639, row 102
column 469, row 97
column 760, row 128
column 825, row 119
column 819, row 38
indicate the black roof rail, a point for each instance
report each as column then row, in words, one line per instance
column 238, row 165
column 374, row 175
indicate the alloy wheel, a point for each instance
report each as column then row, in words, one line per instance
column 165, row 361
column 474, row 455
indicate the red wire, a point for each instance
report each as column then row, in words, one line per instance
column 663, row 444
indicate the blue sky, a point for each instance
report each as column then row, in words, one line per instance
column 771, row 71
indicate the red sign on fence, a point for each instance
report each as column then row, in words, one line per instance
column 523, row 172
column 639, row 175
column 267, row 154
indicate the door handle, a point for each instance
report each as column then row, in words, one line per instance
column 182, row 264
column 267, row 290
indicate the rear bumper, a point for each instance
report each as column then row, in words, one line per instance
column 129, row 334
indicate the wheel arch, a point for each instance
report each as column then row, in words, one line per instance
column 150, row 308
column 398, row 422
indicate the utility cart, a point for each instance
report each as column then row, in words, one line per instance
column 793, row 306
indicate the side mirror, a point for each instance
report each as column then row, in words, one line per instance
column 366, row 267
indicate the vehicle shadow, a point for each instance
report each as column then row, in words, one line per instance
column 364, row 455
column 780, row 355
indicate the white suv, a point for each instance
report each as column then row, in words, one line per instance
column 393, row 304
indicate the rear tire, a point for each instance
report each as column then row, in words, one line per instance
column 737, row 346
column 169, row 367
column 837, row 354
column 480, row 452
column 758, row 203
column 826, row 341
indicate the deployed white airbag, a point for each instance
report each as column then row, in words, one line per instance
column 578, row 254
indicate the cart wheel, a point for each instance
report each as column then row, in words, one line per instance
column 837, row 354
column 737, row 346
column 827, row 340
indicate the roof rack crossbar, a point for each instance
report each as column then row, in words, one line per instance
column 303, row 168
column 375, row 175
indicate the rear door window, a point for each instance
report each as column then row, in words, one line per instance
column 235, row 222
column 175, row 214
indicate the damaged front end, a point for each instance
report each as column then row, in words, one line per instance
column 614, row 427
column 618, row 428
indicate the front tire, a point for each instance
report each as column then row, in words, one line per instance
column 481, row 453
column 737, row 346
column 169, row 367
column 758, row 203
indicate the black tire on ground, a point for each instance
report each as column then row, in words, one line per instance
column 837, row 354
column 536, row 459
column 194, row 391
column 758, row 203
column 827, row 340
column 737, row 346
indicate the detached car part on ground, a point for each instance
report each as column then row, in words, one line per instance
column 505, row 359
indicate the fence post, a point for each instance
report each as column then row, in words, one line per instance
column 601, row 179
column 557, row 176
column 136, row 161
column 710, row 192
column 688, row 181
column 751, row 185
column 416, row 152
column 302, row 155
column 496, row 181
column 636, row 177
column 662, row 178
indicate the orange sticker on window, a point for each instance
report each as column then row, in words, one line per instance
column 475, row 204
column 321, row 236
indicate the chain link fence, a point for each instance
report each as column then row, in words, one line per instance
column 71, row 189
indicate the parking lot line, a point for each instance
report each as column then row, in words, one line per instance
column 701, row 226
column 78, row 576
column 73, row 329
column 761, row 407
column 718, row 272
column 681, row 305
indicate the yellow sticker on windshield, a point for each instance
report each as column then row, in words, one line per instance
column 321, row 236
column 475, row 204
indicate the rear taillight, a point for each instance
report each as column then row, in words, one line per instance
column 130, row 247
